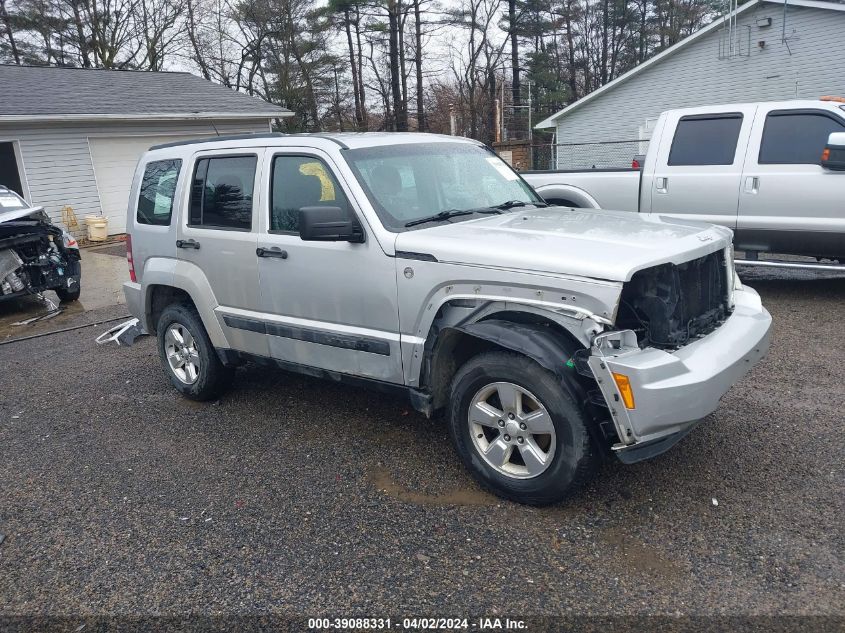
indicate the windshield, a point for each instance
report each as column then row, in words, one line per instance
column 10, row 201
column 415, row 181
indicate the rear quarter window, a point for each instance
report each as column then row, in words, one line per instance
column 158, row 187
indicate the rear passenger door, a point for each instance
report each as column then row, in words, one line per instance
column 699, row 165
column 328, row 305
column 218, row 233
column 788, row 202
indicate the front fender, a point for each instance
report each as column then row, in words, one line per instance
column 549, row 348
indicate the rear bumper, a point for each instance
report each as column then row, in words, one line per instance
column 134, row 294
column 674, row 390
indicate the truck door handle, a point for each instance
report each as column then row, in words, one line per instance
column 752, row 184
column 271, row 252
column 188, row 244
column 661, row 184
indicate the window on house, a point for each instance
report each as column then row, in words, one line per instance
column 158, row 186
column 705, row 140
column 221, row 194
column 796, row 138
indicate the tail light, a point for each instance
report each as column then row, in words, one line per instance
column 129, row 259
column 635, row 164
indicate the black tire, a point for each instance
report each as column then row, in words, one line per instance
column 67, row 296
column 574, row 460
column 213, row 377
column 74, row 271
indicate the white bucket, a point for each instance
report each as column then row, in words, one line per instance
column 98, row 227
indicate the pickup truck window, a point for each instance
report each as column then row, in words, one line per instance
column 296, row 182
column 406, row 182
column 796, row 137
column 155, row 202
column 221, row 194
column 706, row 140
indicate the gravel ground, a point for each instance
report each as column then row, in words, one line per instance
column 297, row 497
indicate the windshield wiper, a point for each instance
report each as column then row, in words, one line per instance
column 510, row 204
column 451, row 213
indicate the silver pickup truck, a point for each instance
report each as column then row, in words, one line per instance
column 763, row 170
column 424, row 265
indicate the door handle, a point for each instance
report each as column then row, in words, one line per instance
column 661, row 184
column 752, row 184
column 188, row 244
column 271, row 252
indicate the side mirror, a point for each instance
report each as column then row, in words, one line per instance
column 328, row 224
column 833, row 156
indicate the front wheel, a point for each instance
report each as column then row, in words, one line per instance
column 187, row 355
column 518, row 430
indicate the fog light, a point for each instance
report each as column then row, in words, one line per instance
column 625, row 390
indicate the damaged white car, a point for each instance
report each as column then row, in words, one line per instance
column 35, row 254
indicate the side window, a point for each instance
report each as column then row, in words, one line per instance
column 300, row 181
column 796, row 138
column 221, row 193
column 158, row 186
column 706, row 140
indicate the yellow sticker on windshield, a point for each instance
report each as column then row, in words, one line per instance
column 502, row 167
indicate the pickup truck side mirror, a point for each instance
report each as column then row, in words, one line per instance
column 329, row 224
column 833, row 156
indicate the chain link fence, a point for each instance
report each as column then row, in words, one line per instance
column 599, row 155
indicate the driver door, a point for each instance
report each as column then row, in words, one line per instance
column 327, row 305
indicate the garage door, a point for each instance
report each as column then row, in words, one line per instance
column 114, row 159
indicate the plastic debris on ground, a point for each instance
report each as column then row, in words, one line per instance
column 123, row 334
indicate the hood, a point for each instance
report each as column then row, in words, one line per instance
column 601, row 244
column 32, row 213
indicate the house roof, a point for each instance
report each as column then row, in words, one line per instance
column 68, row 94
column 832, row 5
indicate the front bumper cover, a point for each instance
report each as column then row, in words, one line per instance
column 675, row 390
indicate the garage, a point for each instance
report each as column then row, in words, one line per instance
column 114, row 159
column 70, row 137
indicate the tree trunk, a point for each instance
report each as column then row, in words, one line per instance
column 337, row 103
column 199, row 57
column 7, row 22
column 361, row 68
column 359, row 117
column 401, row 119
column 421, row 124
column 402, row 74
column 514, row 51
column 570, row 50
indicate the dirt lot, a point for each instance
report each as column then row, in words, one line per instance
column 296, row 497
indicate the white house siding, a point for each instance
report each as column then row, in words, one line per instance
column 696, row 76
column 57, row 165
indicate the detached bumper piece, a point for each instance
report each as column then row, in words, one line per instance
column 124, row 334
column 673, row 390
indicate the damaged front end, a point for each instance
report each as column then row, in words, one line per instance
column 686, row 333
column 35, row 255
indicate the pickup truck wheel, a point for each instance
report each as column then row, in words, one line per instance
column 187, row 355
column 518, row 430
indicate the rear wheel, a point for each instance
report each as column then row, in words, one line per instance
column 187, row 355
column 518, row 430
